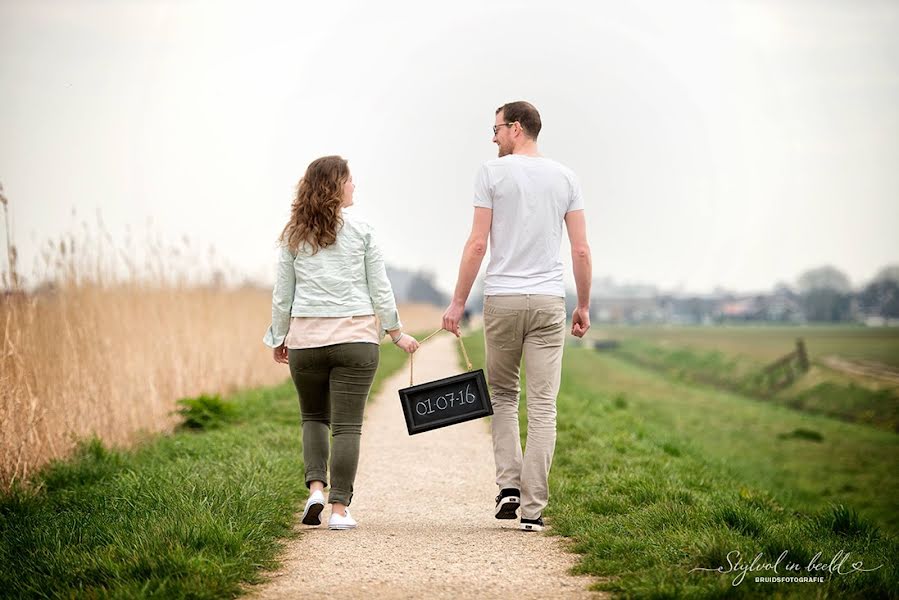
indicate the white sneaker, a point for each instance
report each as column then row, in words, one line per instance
column 314, row 506
column 341, row 521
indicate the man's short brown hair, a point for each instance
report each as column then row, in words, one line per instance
column 525, row 114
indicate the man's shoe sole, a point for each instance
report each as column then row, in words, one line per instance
column 507, row 507
column 341, row 527
column 312, row 516
column 531, row 527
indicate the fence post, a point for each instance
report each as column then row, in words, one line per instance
column 802, row 355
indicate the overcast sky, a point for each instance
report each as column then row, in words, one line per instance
column 718, row 143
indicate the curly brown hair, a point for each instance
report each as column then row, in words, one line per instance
column 315, row 216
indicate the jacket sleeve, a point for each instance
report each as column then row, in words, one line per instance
column 379, row 288
column 282, row 299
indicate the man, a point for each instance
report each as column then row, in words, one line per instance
column 521, row 200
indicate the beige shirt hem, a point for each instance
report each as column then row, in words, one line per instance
column 315, row 332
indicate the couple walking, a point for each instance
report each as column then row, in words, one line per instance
column 332, row 304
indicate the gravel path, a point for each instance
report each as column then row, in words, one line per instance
column 424, row 504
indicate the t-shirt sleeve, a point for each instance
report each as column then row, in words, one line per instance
column 576, row 200
column 483, row 195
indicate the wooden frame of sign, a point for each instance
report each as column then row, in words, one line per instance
column 446, row 401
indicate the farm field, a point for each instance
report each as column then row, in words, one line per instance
column 842, row 380
column 654, row 477
column 765, row 343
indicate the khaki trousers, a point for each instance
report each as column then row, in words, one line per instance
column 532, row 326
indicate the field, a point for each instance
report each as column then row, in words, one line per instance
column 765, row 344
column 655, row 477
column 843, row 379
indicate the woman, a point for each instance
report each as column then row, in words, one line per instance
column 330, row 291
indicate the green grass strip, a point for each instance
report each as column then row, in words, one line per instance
column 653, row 478
column 835, row 396
column 189, row 515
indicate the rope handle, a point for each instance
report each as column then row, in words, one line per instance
column 412, row 356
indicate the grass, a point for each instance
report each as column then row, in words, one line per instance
column 766, row 343
column 653, row 478
column 195, row 514
column 206, row 412
column 848, row 401
column 819, row 391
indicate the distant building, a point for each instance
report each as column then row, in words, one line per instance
column 627, row 310
column 743, row 310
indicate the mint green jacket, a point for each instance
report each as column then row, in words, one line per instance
column 346, row 279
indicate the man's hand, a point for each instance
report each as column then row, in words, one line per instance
column 580, row 321
column 452, row 317
column 280, row 354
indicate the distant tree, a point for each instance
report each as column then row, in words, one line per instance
column 880, row 298
column 784, row 289
column 422, row 289
column 824, row 278
column 888, row 273
column 824, row 304
column 692, row 309
column 825, row 294
column 399, row 281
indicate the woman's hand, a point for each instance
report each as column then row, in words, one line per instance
column 407, row 343
column 280, row 354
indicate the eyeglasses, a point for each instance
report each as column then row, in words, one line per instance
column 496, row 127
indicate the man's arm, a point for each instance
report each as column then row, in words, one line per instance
column 472, row 257
column 582, row 263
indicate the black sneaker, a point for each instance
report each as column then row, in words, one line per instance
column 532, row 524
column 507, row 503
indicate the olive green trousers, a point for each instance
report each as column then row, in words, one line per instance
column 333, row 383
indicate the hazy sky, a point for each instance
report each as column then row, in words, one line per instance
column 717, row 143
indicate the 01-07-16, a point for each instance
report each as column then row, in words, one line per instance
column 427, row 407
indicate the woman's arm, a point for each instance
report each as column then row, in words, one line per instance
column 282, row 299
column 382, row 297
column 379, row 288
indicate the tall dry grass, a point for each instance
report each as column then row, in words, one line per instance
column 114, row 335
column 105, row 347
column 110, row 361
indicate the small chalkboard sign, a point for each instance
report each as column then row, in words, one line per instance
column 446, row 401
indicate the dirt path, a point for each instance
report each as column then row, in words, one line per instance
column 424, row 505
column 862, row 368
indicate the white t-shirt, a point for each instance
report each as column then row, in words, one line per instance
column 530, row 196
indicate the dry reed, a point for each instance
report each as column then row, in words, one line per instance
column 111, row 361
column 113, row 336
